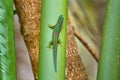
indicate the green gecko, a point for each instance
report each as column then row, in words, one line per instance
column 55, row 39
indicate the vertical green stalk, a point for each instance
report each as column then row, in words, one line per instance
column 7, row 54
column 51, row 10
column 109, row 65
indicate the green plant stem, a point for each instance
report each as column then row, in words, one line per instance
column 109, row 64
column 7, row 53
column 51, row 10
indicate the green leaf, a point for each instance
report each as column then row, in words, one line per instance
column 7, row 53
column 109, row 65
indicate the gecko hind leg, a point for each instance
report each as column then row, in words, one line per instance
column 50, row 44
column 59, row 42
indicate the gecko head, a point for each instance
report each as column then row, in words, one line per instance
column 60, row 19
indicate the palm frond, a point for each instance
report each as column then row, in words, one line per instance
column 7, row 56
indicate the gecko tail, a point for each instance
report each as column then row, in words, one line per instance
column 55, row 59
